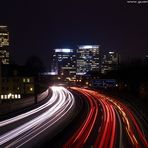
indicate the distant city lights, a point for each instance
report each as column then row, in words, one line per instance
column 80, row 73
column 50, row 73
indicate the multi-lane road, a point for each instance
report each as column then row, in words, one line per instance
column 102, row 122
column 30, row 128
column 109, row 123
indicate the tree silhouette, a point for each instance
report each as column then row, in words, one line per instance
column 35, row 65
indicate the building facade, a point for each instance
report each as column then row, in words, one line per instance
column 110, row 61
column 15, row 87
column 64, row 63
column 88, row 59
column 15, row 83
column 4, row 45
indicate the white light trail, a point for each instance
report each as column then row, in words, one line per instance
column 19, row 117
column 60, row 106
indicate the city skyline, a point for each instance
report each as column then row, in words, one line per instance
column 69, row 63
column 115, row 26
column 74, row 73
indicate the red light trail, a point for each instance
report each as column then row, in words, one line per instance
column 107, row 136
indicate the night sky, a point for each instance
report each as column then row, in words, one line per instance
column 38, row 26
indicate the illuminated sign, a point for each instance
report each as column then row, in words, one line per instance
column 63, row 50
column 111, row 52
column 88, row 46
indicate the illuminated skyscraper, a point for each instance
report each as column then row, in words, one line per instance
column 88, row 59
column 110, row 61
column 64, row 63
column 4, row 45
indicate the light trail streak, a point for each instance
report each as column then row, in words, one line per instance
column 107, row 135
column 60, row 107
column 107, row 128
column 128, row 116
column 82, row 134
column 24, row 115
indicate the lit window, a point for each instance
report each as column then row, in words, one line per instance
column 16, row 96
column 2, row 96
column 9, row 95
column 19, row 96
column 28, row 80
column 86, row 83
column 12, row 96
column 31, row 89
column 24, row 80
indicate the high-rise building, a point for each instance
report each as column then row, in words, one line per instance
column 4, row 45
column 88, row 59
column 110, row 61
column 64, row 63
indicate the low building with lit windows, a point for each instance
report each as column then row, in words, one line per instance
column 15, row 83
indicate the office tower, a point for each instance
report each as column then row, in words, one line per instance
column 4, row 45
column 110, row 61
column 64, row 63
column 88, row 59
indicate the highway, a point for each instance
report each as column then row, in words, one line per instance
column 75, row 118
column 109, row 123
column 31, row 128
